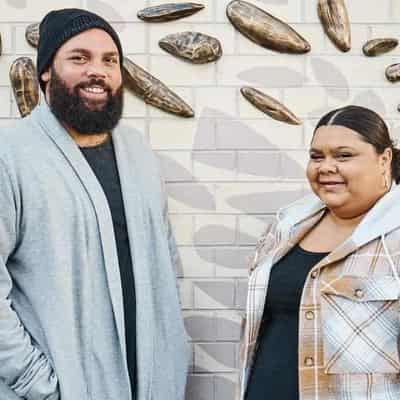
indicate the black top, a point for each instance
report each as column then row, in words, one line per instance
column 102, row 160
column 275, row 371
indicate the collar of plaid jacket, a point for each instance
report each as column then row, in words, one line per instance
column 295, row 220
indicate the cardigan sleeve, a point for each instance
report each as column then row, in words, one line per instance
column 23, row 367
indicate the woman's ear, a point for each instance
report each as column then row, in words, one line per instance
column 45, row 76
column 386, row 158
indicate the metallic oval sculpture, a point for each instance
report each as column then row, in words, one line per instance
column 152, row 91
column 25, row 85
column 264, row 29
column 169, row 11
column 269, row 105
column 1, row 46
column 335, row 20
column 375, row 47
column 192, row 46
column 393, row 72
column 32, row 34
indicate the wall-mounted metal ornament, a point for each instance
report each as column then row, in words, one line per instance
column 195, row 47
column 265, row 29
column 32, row 34
column 375, row 47
column 25, row 85
column 1, row 46
column 169, row 11
column 270, row 106
column 393, row 72
column 152, row 91
column 335, row 20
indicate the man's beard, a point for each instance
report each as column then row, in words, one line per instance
column 72, row 109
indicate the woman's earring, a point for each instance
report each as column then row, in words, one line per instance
column 386, row 179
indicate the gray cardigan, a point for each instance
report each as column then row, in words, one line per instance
column 61, row 310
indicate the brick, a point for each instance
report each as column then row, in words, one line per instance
column 215, row 229
column 191, row 197
column 214, row 98
column 241, row 294
column 183, row 228
column 137, row 124
column 176, row 165
column 134, row 107
column 200, row 387
column 187, row 134
column 213, row 294
column 231, row 262
column 6, row 38
column 294, row 100
column 5, row 64
column 257, row 165
column 202, row 325
column 294, row 164
column 359, row 11
column 133, row 37
column 186, row 293
column 251, row 227
column 257, row 134
column 227, row 325
column 22, row 47
column 226, row 386
column 5, row 95
column 214, row 357
column 288, row 10
column 217, row 165
column 278, row 70
column 115, row 10
column 18, row 10
column 197, row 262
column 172, row 71
column 258, row 198
column 357, row 71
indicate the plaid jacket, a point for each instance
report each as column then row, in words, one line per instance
column 349, row 317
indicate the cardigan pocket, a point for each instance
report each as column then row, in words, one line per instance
column 361, row 325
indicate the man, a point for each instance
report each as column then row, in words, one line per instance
column 88, row 303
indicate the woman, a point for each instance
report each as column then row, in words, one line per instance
column 328, row 327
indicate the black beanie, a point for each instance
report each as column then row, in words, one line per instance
column 58, row 26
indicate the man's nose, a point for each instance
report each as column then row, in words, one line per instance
column 96, row 68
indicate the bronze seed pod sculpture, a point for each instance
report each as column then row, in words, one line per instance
column 169, row 11
column 269, row 106
column 264, row 29
column 1, row 46
column 152, row 91
column 393, row 72
column 32, row 34
column 335, row 20
column 25, row 85
column 375, row 47
column 192, row 46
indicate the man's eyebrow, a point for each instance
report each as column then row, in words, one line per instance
column 86, row 51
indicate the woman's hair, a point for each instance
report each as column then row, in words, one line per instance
column 370, row 126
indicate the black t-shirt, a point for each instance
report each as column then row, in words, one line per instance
column 275, row 371
column 102, row 160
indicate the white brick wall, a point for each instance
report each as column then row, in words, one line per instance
column 229, row 168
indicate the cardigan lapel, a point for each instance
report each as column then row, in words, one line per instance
column 66, row 145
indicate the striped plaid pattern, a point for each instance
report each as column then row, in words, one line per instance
column 349, row 319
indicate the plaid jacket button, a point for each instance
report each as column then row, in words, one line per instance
column 309, row 315
column 308, row 361
column 359, row 293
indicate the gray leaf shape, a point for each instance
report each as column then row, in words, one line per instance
column 263, row 202
column 17, row 3
column 338, row 94
column 224, row 388
column 172, row 171
column 221, row 292
column 105, row 10
column 214, row 234
column 370, row 99
column 277, row 2
column 327, row 74
column 273, row 77
column 198, row 196
column 208, row 328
